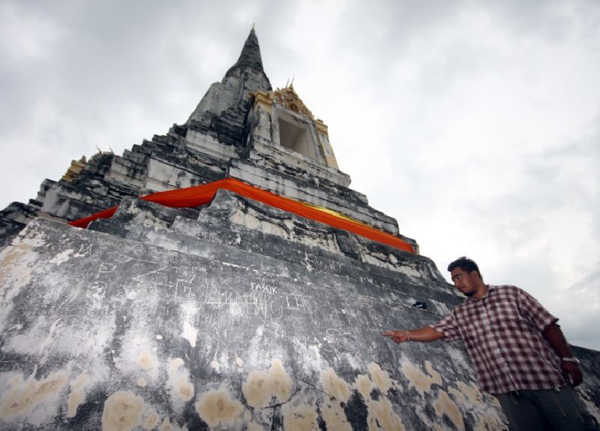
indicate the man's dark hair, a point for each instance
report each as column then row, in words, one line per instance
column 465, row 264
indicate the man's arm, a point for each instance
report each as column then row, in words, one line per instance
column 424, row 334
column 557, row 340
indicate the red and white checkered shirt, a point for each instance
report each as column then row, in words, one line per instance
column 503, row 335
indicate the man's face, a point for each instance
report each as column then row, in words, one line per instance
column 464, row 281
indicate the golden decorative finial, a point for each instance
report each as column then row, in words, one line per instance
column 253, row 24
column 290, row 84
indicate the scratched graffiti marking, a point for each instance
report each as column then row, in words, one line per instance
column 106, row 268
column 340, row 341
column 266, row 288
column 256, row 303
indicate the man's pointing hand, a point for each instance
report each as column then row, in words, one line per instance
column 398, row 336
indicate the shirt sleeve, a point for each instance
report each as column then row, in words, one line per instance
column 533, row 311
column 447, row 326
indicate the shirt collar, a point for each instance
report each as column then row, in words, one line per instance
column 489, row 289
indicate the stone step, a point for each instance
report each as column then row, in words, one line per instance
column 306, row 190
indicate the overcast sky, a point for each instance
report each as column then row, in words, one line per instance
column 475, row 124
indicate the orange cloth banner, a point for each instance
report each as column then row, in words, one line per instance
column 191, row 197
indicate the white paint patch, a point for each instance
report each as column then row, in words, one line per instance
column 410, row 271
column 255, row 221
column 215, row 366
column 378, row 259
column 440, row 307
column 315, row 358
column 233, row 265
column 352, row 359
column 138, row 356
column 77, row 395
column 390, row 262
column 189, row 310
column 239, row 362
column 309, row 357
column 61, row 257
column 17, row 265
column 35, row 341
column 458, row 358
column 45, row 345
column 189, row 333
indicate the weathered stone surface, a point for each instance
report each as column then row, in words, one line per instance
column 8, row 230
column 310, row 189
column 234, row 315
column 235, row 221
column 179, row 336
column 174, row 308
column 250, row 57
column 14, row 218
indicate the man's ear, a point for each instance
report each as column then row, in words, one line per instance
column 476, row 274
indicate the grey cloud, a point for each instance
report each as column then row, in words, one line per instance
column 580, row 310
column 551, row 19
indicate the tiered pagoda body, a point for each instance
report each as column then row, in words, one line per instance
column 235, row 282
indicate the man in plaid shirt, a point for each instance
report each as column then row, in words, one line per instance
column 519, row 352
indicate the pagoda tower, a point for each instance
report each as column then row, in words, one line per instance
column 225, row 276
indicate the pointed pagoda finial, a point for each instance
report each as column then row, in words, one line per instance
column 250, row 55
